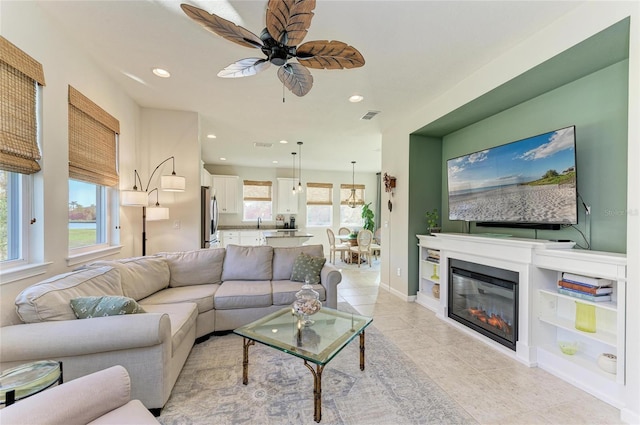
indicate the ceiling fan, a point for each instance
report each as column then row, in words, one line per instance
column 287, row 24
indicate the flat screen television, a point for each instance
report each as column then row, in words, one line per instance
column 527, row 183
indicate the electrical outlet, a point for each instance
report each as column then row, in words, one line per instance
column 398, row 271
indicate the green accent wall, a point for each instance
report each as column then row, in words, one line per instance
column 425, row 182
column 598, row 106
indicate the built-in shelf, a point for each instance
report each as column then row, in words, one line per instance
column 545, row 316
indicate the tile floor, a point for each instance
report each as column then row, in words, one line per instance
column 490, row 386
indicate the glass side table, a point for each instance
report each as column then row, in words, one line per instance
column 28, row 379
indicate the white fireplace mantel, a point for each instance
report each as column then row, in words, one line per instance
column 544, row 316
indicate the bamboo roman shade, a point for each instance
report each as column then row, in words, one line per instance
column 19, row 76
column 92, row 141
column 253, row 190
column 319, row 194
column 345, row 192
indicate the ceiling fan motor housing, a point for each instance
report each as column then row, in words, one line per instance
column 277, row 53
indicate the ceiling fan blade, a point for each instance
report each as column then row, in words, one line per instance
column 244, row 68
column 222, row 27
column 289, row 20
column 323, row 54
column 296, row 78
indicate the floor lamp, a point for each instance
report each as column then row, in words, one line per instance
column 140, row 197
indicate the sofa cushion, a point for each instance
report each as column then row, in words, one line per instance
column 88, row 307
column 50, row 299
column 284, row 291
column 141, row 276
column 198, row 267
column 182, row 316
column 243, row 294
column 247, row 263
column 284, row 257
column 202, row 295
column 307, row 267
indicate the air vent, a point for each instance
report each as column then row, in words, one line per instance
column 262, row 145
column 369, row 115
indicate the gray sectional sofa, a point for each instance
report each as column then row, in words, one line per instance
column 185, row 295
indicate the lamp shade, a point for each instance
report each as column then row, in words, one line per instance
column 173, row 183
column 134, row 198
column 157, row 213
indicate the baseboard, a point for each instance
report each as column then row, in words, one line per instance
column 629, row 416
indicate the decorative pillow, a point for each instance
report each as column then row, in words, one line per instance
column 284, row 257
column 88, row 307
column 307, row 266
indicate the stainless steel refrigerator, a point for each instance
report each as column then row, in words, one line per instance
column 209, row 219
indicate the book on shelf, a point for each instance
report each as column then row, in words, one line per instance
column 433, row 260
column 587, row 289
column 584, row 296
column 586, row 280
column 433, row 253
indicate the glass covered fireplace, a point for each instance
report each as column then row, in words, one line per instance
column 485, row 299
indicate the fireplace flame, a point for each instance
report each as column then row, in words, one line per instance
column 491, row 319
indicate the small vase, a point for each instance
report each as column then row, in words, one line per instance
column 307, row 303
column 436, row 290
column 585, row 317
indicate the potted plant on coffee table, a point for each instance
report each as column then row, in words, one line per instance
column 432, row 221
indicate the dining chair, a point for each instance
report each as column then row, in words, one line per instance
column 365, row 237
column 375, row 245
column 344, row 231
column 333, row 247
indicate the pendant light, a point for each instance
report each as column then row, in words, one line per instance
column 299, row 167
column 293, row 172
column 352, row 202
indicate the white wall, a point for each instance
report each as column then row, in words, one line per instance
column 158, row 134
column 568, row 30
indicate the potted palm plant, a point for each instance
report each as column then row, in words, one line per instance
column 432, row 221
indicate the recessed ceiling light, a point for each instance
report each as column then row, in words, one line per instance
column 222, row 158
column 274, row 161
column 162, row 73
column 356, row 98
column 284, row 142
column 211, row 136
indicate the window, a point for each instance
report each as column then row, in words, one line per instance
column 20, row 80
column 257, row 200
column 319, row 204
column 351, row 217
column 93, row 142
column 11, row 214
column 87, row 214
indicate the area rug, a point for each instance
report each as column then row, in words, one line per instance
column 391, row 390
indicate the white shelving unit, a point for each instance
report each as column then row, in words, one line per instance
column 429, row 273
column 556, row 315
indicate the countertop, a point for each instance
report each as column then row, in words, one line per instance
column 285, row 234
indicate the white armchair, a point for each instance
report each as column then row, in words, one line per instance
column 102, row 397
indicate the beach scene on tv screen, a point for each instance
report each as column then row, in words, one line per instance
column 531, row 180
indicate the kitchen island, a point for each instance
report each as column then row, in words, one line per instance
column 285, row 237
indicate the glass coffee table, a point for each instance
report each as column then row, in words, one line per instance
column 316, row 343
column 28, row 379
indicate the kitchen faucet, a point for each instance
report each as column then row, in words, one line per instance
column 259, row 221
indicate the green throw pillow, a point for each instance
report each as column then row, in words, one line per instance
column 88, row 307
column 307, row 266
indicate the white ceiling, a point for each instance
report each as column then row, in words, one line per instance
column 414, row 51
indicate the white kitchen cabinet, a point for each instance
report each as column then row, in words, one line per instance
column 251, row 238
column 241, row 237
column 226, row 192
column 205, row 177
column 287, row 200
